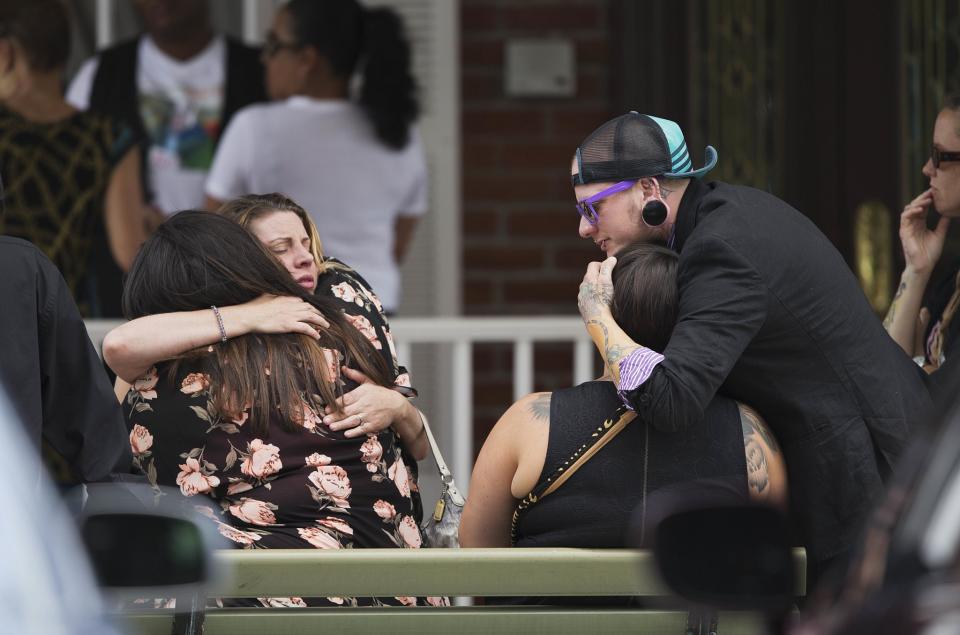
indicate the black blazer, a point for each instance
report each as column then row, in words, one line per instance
column 771, row 314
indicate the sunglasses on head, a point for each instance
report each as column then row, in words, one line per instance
column 939, row 156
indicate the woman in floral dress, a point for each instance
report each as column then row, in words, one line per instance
column 240, row 423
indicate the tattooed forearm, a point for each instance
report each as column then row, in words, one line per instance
column 593, row 298
column 755, row 437
column 540, row 406
column 888, row 321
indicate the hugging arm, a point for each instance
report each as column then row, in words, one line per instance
column 723, row 304
column 132, row 348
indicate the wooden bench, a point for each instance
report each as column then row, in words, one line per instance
column 451, row 572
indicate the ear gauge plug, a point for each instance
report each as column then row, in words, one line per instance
column 654, row 213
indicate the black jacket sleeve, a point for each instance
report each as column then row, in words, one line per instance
column 723, row 304
column 82, row 420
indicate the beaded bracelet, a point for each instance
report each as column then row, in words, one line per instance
column 223, row 331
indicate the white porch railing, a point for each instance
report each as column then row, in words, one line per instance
column 462, row 333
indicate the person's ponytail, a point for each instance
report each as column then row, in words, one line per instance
column 388, row 93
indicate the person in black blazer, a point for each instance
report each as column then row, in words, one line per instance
column 769, row 313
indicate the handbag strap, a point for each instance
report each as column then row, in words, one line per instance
column 445, row 474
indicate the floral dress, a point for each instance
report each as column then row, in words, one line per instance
column 312, row 487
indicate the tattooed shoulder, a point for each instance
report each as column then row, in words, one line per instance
column 539, row 406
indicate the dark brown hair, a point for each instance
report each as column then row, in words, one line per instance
column 645, row 297
column 197, row 259
column 41, row 27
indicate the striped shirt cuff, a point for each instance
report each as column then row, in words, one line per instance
column 635, row 369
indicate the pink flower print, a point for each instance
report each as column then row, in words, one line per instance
column 140, row 440
column 337, row 524
column 195, row 383
column 146, row 384
column 363, row 325
column 406, row 600
column 241, row 419
column 393, row 349
column 398, row 472
column 238, row 487
column 283, row 603
column 332, row 480
column 310, row 418
column 332, row 358
column 384, row 510
column 410, row 532
column 263, row 460
column 438, row 601
column 402, row 380
column 346, row 293
column 319, row 538
column 373, row 298
column 370, row 452
column 234, row 534
column 192, row 481
column 336, row 600
column 316, row 460
column 252, row 511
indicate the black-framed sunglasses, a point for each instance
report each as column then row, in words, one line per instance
column 273, row 45
column 939, row 156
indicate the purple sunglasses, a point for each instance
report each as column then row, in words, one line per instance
column 585, row 207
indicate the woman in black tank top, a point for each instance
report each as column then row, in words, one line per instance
column 730, row 457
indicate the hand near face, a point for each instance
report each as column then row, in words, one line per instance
column 921, row 247
column 596, row 290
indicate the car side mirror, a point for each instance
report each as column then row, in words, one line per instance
column 735, row 558
column 144, row 545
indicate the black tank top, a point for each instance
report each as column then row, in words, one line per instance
column 595, row 506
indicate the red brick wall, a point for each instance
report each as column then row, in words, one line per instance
column 522, row 254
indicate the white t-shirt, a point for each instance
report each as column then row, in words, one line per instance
column 325, row 155
column 181, row 104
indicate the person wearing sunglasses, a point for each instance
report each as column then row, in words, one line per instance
column 340, row 136
column 769, row 314
column 921, row 319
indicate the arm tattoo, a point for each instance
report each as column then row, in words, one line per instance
column 540, row 406
column 611, row 353
column 888, row 321
column 758, row 476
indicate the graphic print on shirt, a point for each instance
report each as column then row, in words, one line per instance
column 182, row 126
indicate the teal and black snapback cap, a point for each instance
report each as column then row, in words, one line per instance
column 634, row 146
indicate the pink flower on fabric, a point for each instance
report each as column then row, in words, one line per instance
column 146, row 384
column 192, row 481
column 283, row 603
column 370, row 452
column 346, row 293
column 438, row 601
column 398, row 472
column 406, row 600
column 234, row 534
column 402, row 380
column 252, row 511
column 333, row 481
column 336, row 523
column 363, row 325
column 318, row 538
column 238, row 487
column 242, row 417
column 393, row 348
column 316, row 460
column 310, row 419
column 410, row 532
column 195, row 383
column 384, row 509
column 263, row 460
column 140, row 440
column 332, row 358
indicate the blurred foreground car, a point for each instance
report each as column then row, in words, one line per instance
column 904, row 577
column 47, row 583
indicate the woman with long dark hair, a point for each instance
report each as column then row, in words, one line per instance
column 339, row 137
column 240, row 421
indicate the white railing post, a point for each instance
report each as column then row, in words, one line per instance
column 462, row 413
column 522, row 368
column 582, row 361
